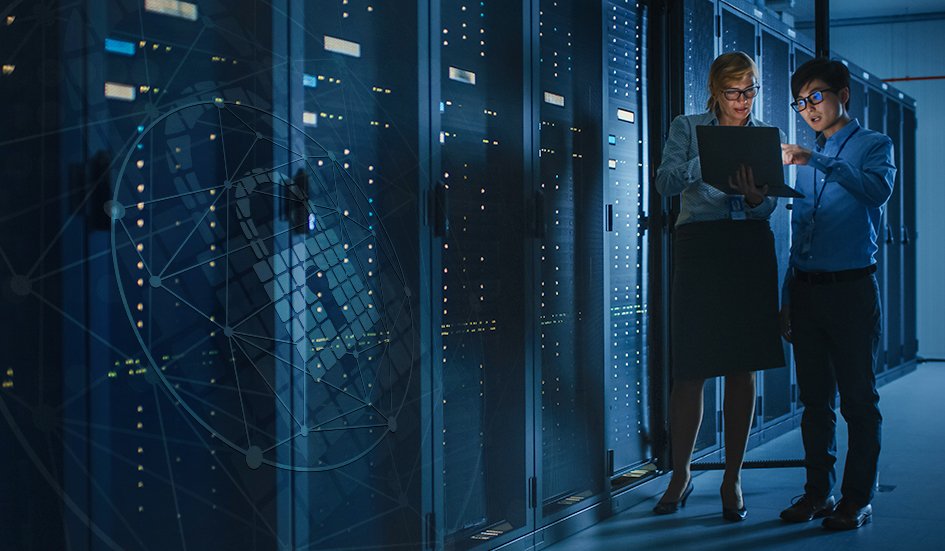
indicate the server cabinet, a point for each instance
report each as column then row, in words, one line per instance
column 876, row 120
column 626, row 272
column 568, row 229
column 354, row 91
column 701, row 29
column 858, row 98
column 37, row 356
column 481, row 354
column 158, row 367
column 803, row 135
column 894, row 291
column 908, row 181
column 775, row 384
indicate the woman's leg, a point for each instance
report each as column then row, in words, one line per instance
column 737, row 409
column 685, row 417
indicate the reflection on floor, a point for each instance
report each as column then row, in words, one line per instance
column 908, row 509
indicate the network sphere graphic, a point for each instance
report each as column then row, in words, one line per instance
column 264, row 292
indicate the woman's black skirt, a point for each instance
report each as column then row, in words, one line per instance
column 725, row 299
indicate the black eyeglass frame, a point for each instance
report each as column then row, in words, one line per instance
column 753, row 90
column 800, row 104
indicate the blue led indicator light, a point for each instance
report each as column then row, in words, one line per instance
column 120, row 47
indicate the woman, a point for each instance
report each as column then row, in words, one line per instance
column 724, row 292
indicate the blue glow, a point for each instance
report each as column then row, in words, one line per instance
column 311, row 221
column 120, row 47
column 309, row 81
column 140, row 129
column 612, row 140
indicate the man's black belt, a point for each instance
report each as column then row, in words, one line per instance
column 816, row 278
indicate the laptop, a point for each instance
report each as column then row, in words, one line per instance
column 723, row 148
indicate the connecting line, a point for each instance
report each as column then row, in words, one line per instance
column 225, row 255
column 6, row 260
column 180, row 65
column 264, row 338
column 268, row 353
column 170, row 469
column 194, row 398
column 348, row 394
column 67, row 316
column 274, row 393
column 387, row 342
column 137, row 252
column 98, row 487
column 215, row 386
column 246, row 155
column 339, row 416
column 191, row 306
column 189, row 235
column 236, row 484
column 70, row 504
column 150, row 202
column 282, row 442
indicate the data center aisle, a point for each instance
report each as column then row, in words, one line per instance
column 908, row 509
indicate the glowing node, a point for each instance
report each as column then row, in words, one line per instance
column 114, row 209
column 20, row 285
column 254, row 457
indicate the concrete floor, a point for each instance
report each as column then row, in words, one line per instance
column 906, row 510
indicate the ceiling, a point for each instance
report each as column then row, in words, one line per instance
column 803, row 10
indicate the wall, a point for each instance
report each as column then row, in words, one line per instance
column 914, row 49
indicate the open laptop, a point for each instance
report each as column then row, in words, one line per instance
column 723, row 148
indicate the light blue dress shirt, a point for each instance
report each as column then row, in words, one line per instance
column 854, row 185
column 680, row 172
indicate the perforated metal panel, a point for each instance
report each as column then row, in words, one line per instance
column 482, row 296
column 699, row 39
column 908, row 180
column 776, row 93
column 625, row 247
column 894, row 269
column 738, row 33
column 570, row 302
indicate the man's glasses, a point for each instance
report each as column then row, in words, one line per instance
column 733, row 94
column 818, row 96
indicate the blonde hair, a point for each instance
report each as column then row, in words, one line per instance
column 727, row 68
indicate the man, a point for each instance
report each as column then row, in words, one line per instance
column 830, row 306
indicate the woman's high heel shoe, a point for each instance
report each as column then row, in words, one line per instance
column 671, row 507
column 734, row 515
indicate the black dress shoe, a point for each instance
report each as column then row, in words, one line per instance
column 848, row 516
column 670, row 507
column 807, row 509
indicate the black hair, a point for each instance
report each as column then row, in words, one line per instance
column 834, row 73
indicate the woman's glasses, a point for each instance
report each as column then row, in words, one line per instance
column 733, row 94
column 816, row 97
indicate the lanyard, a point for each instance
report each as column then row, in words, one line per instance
column 824, row 186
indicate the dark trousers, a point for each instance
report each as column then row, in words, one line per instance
column 836, row 329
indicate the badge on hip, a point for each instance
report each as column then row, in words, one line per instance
column 806, row 239
column 736, row 208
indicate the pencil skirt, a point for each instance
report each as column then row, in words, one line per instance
column 724, row 302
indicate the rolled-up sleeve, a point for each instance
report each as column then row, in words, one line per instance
column 677, row 171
